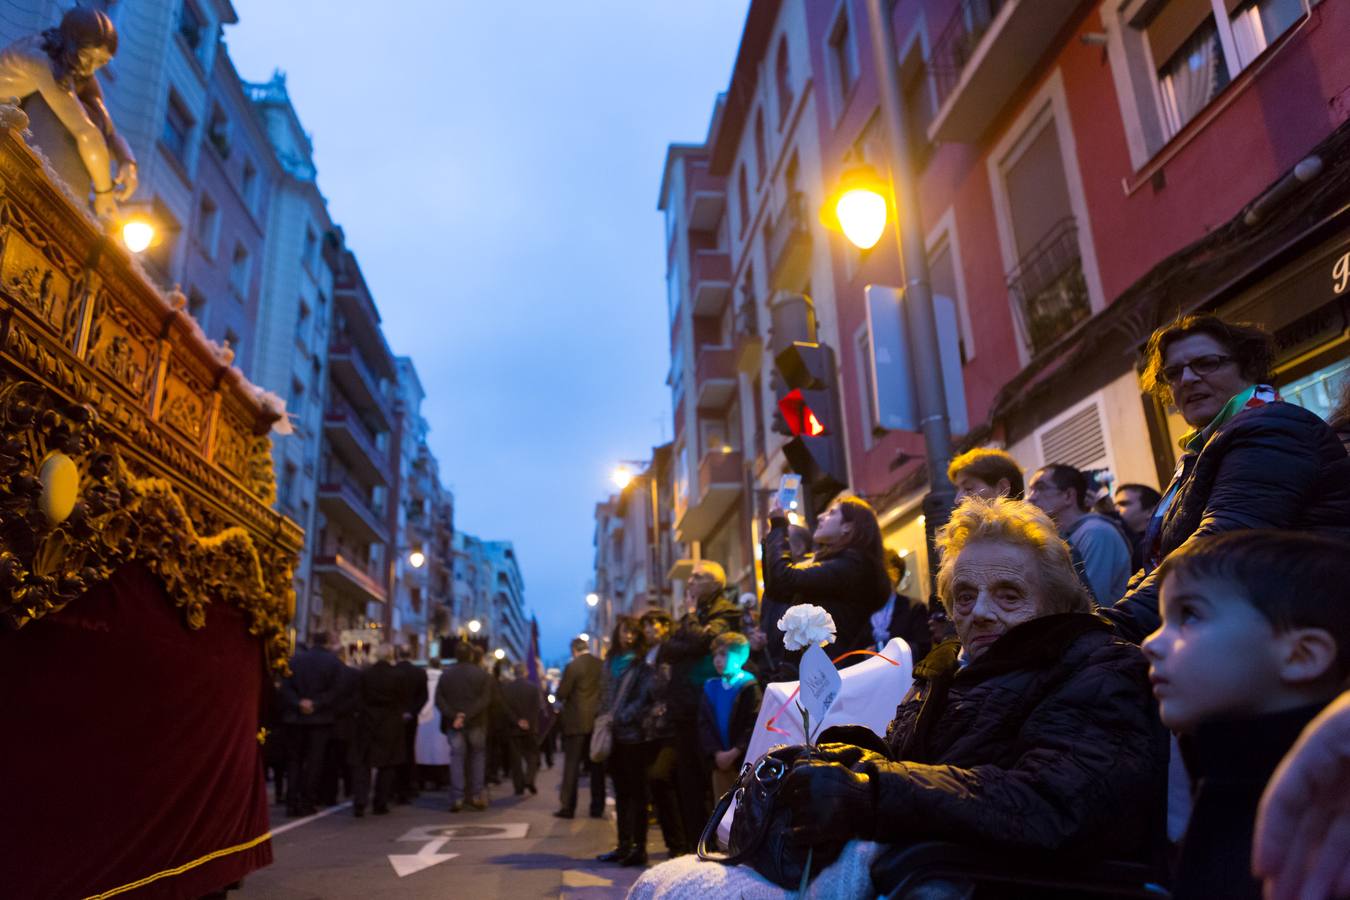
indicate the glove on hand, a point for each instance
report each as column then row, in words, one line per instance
column 828, row 802
column 847, row 755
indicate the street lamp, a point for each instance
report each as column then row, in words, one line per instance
column 475, row 626
column 859, row 207
column 499, row 653
column 138, row 233
column 585, row 637
column 417, row 559
column 622, row 476
column 592, row 600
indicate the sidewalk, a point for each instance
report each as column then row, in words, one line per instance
column 516, row 849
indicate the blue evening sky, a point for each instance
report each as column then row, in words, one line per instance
column 495, row 168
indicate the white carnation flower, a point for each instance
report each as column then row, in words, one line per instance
column 803, row 625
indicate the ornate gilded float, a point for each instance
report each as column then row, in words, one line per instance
column 145, row 580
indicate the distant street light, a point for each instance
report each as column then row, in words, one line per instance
column 475, row 626
column 417, row 559
column 585, row 637
column 499, row 653
column 622, row 476
column 592, row 600
column 552, row 698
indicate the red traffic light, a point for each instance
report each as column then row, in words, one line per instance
column 800, row 418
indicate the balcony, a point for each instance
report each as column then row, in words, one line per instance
column 984, row 54
column 349, row 370
column 715, row 372
column 789, row 245
column 749, row 342
column 705, row 197
column 350, row 507
column 709, row 281
column 347, row 579
column 357, row 444
column 1048, row 289
column 720, row 482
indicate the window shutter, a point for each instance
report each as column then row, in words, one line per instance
column 1078, row 441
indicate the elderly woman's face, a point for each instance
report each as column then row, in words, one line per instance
column 994, row 587
column 1203, row 376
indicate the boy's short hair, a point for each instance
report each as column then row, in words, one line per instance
column 1291, row 577
column 731, row 640
column 989, row 464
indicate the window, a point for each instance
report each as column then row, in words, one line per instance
column 783, row 81
column 218, row 131
column 208, row 225
column 942, row 278
column 302, row 322
column 761, row 154
column 1171, row 58
column 240, row 268
column 843, row 60
column 177, row 129
column 196, row 304
column 743, row 198
column 190, row 26
column 311, row 252
column 248, row 185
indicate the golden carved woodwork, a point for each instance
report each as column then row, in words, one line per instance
column 171, row 456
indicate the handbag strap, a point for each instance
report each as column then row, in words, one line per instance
column 708, row 838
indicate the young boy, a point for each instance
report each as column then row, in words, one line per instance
column 727, row 711
column 1254, row 642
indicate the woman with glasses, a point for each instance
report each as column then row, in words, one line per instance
column 1250, row 460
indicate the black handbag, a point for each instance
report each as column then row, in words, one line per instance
column 759, row 833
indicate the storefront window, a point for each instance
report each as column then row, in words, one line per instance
column 1319, row 391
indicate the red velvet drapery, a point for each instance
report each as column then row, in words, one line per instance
column 128, row 747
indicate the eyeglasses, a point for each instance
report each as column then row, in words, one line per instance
column 1201, row 366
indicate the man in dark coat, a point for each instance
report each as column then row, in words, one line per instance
column 386, row 695
column 688, row 656
column 308, row 698
column 463, row 696
column 579, row 694
column 523, row 705
column 416, row 679
column 339, row 774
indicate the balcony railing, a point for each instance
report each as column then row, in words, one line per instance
column 342, row 351
column 705, row 197
column 709, row 281
column 1048, row 287
column 789, row 244
column 356, row 435
column 353, row 573
column 715, row 371
column 955, row 47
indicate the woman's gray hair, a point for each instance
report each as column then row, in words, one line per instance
column 1020, row 524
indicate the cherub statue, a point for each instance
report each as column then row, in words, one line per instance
column 60, row 64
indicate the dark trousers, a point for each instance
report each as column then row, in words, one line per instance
column 524, row 751
column 305, row 752
column 360, row 785
column 336, row 781
column 385, row 777
column 660, row 759
column 693, row 785
column 628, row 768
column 577, row 753
column 405, row 785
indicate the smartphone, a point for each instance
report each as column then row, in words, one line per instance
column 789, row 488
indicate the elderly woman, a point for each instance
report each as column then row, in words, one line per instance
column 1249, row 461
column 1040, row 733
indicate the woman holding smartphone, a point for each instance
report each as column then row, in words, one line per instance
column 846, row 576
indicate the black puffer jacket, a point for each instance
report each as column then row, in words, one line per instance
column 1272, row 466
column 846, row 586
column 688, row 654
column 1049, row 741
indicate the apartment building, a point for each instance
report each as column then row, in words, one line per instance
column 490, row 591
column 1086, row 171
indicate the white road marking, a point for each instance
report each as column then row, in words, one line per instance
column 408, row 864
column 468, row 832
column 307, row 819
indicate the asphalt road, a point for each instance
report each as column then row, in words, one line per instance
column 516, row 849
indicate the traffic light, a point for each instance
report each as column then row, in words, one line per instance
column 811, row 412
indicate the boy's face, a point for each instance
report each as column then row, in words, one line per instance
column 1214, row 657
column 730, row 660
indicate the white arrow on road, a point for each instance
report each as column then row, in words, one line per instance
column 406, row 864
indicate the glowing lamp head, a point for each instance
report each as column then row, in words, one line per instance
column 592, row 600
column 552, row 698
column 585, row 637
column 475, row 626
column 499, row 653
column 862, row 215
column 138, row 234
column 417, row 559
column 622, row 476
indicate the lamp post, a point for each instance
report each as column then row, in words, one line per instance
column 862, row 212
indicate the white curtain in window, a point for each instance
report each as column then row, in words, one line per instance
column 1190, row 79
column 1256, row 25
